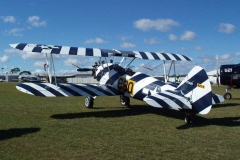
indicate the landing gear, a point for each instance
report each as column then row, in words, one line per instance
column 227, row 95
column 89, row 102
column 189, row 118
column 125, row 101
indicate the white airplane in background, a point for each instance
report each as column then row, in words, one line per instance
column 192, row 96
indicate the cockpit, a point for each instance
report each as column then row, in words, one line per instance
column 128, row 70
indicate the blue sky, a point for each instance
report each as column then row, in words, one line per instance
column 200, row 29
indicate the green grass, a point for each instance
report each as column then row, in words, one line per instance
column 62, row 128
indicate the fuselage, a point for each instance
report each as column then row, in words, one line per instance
column 132, row 84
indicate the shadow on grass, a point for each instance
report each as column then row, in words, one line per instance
column 16, row 132
column 201, row 122
column 141, row 109
column 116, row 112
column 220, row 105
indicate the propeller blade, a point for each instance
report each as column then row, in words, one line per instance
column 84, row 69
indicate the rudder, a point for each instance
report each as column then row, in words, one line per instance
column 197, row 88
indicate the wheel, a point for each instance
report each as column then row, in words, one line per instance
column 89, row 102
column 227, row 96
column 125, row 101
column 188, row 119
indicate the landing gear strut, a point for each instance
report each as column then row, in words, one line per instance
column 228, row 95
column 89, row 102
column 125, row 101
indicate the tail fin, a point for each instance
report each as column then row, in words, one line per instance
column 197, row 88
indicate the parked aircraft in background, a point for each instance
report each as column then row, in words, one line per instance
column 230, row 76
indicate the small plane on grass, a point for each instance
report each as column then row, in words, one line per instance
column 192, row 96
column 230, row 76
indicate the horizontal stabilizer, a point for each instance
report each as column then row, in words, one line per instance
column 168, row 99
column 217, row 98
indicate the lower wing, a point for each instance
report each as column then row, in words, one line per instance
column 66, row 89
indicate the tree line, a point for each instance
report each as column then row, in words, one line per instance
column 16, row 70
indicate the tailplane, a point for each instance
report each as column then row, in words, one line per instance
column 197, row 88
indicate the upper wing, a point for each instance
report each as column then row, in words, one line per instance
column 66, row 89
column 66, row 50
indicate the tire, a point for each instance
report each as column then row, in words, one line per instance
column 125, row 101
column 189, row 119
column 89, row 102
column 227, row 96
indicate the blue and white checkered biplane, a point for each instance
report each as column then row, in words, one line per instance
column 192, row 96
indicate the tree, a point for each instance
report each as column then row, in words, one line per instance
column 14, row 70
column 25, row 72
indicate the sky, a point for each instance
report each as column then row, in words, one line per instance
column 200, row 29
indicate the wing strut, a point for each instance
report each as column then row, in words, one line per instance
column 131, row 62
column 174, row 70
column 164, row 70
column 51, row 68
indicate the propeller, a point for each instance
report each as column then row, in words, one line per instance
column 84, row 69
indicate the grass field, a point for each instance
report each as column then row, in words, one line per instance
column 62, row 128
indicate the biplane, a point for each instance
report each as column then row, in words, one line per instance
column 192, row 96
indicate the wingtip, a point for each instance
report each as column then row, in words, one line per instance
column 13, row 45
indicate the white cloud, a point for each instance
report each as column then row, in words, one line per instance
column 14, row 52
column 8, row 19
column 172, row 37
column 198, row 48
column 227, row 28
column 13, row 32
column 96, row 40
column 184, row 49
column 29, row 55
column 33, row 56
column 238, row 54
column 162, row 51
column 127, row 45
column 35, row 21
column 188, row 36
column 4, row 58
column 124, row 38
column 162, row 25
column 225, row 57
column 152, row 41
column 209, row 61
column 39, row 64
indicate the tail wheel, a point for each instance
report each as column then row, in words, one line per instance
column 125, row 101
column 89, row 102
column 227, row 96
column 189, row 118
